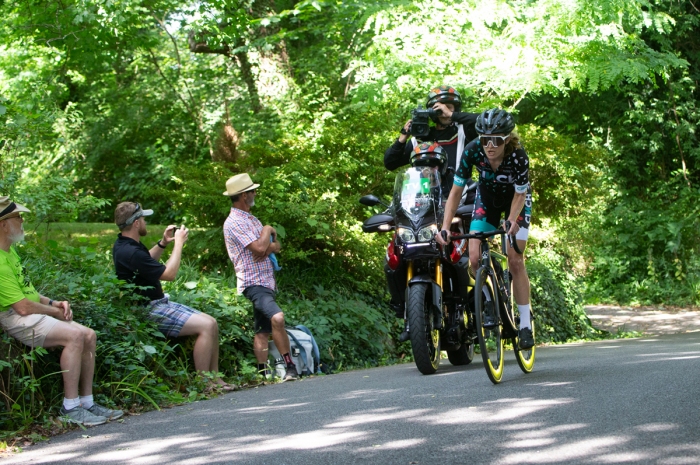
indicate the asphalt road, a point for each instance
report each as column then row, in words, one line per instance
column 626, row 401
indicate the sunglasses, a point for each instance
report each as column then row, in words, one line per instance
column 496, row 141
column 138, row 213
column 12, row 215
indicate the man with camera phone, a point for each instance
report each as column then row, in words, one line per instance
column 136, row 264
column 453, row 130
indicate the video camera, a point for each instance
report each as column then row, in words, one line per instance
column 420, row 122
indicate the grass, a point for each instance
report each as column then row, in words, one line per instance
column 100, row 235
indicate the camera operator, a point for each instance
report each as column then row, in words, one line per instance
column 453, row 130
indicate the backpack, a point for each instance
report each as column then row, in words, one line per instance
column 303, row 350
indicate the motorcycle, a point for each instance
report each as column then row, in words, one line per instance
column 438, row 285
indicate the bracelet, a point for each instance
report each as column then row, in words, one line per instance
column 50, row 303
column 160, row 245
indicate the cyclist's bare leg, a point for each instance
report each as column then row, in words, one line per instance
column 474, row 254
column 521, row 282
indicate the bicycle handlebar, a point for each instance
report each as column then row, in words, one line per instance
column 485, row 235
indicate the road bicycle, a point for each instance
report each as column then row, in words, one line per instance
column 495, row 313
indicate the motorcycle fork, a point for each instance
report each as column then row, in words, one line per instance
column 436, row 292
column 438, row 288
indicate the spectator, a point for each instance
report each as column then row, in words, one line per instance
column 135, row 264
column 38, row 321
column 249, row 246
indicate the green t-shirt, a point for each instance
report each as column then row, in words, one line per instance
column 14, row 286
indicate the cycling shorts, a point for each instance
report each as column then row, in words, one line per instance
column 488, row 210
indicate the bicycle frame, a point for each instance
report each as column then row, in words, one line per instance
column 500, row 278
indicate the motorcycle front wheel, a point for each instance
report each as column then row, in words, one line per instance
column 425, row 340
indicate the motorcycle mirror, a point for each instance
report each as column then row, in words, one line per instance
column 371, row 200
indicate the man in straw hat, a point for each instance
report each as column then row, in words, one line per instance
column 38, row 321
column 136, row 264
column 249, row 246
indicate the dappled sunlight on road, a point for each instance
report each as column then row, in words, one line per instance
column 317, row 439
column 403, row 444
column 489, row 414
column 269, row 408
column 553, row 384
column 375, row 416
column 565, row 452
column 155, row 450
column 586, row 410
column 665, row 357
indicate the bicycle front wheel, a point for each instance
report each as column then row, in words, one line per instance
column 525, row 358
column 488, row 325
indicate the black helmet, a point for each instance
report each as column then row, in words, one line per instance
column 444, row 94
column 494, row 121
column 429, row 154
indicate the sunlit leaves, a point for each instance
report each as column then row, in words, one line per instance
column 514, row 48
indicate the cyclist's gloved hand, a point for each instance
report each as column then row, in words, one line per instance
column 443, row 237
column 512, row 228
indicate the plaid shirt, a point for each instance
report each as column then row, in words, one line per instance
column 240, row 230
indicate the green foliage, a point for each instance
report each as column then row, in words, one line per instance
column 556, row 295
column 136, row 367
column 646, row 256
column 105, row 102
column 351, row 330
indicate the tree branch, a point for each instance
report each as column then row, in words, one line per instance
column 174, row 89
column 678, row 139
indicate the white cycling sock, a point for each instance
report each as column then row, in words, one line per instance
column 70, row 404
column 87, row 401
column 524, row 316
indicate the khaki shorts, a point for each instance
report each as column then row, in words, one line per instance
column 30, row 330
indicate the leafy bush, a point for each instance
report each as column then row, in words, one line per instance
column 136, row 366
column 556, row 296
column 647, row 255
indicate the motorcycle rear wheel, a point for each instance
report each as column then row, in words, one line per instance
column 425, row 340
column 462, row 356
column 490, row 339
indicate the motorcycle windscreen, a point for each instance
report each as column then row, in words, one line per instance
column 417, row 190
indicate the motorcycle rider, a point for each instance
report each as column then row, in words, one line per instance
column 504, row 188
column 453, row 131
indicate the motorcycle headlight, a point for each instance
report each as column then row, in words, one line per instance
column 426, row 234
column 406, row 235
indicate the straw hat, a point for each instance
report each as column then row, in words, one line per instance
column 7, row 207
column 238, row 184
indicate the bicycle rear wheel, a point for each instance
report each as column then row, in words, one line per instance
column 490, row 338
column 525, row 358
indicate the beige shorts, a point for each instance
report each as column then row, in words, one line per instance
column 30, row 330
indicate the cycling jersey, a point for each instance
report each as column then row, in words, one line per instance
column 510, row 177
column 496, row 189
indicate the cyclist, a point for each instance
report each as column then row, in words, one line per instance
column 503, row 188
column 453, row 130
